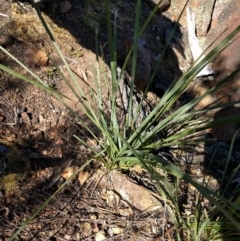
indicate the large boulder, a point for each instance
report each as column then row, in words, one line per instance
column 226, row 63
column 214, row 21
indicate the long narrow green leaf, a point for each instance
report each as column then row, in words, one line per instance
column 162, row 54
column 23, row 66
column 88, row 109
column 180, row 86
column 133, row 66
column 209, row 194
column 31, row 81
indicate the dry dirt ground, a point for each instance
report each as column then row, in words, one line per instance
column 36, row 132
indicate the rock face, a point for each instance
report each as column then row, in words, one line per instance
column 226, row 63
column 214, row 21
column 203, row 10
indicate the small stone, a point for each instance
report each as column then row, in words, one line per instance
column 32, row 57
column 83, row 176
column 25, row 118
column 95, row 228
column 67, row 237
column 93, row 216
column 100, row 236
column 136, row 195
column 41, row 58
column 117, row 230
column 69, row 171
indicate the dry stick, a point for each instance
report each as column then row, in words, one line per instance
column 16, row 118
column 4, row 15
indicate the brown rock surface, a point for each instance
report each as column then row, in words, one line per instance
column 214, row 21
column 138, row 196
column 41, row 58
column 219, row 6
column 176, row 9
column 203, row 10
column 226, row 63
column 32, row 57
column 25, row 118
column 224, row 16
column 209, row 13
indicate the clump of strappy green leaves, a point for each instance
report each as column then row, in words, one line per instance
column 125, row 146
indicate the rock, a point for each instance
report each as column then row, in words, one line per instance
column 99, row 236
column 25, row 118
column 226, row 14
column 225, row 63
column 32, row 57
column 69, row 171
column 2, row 117
column 226, row 132
column 203, row 10
column 219, row 20
column 64, row 6
column 180, row 51
column 143, row 68
column 83, row 177
column 116, row 230
column 218, row 9
column 136, row 195
column 175, row 10
column 41, row 58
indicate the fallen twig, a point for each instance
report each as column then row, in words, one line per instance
column 4, row 15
